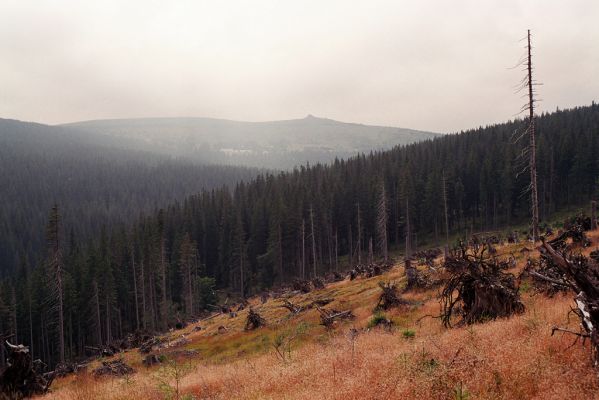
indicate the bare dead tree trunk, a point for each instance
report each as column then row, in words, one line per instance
column 381, row 223
column 143, row 295
column 135, row 294
column 303, row 274
column 408, row 232
column 313, row 240
column 336, row 251
column 56, row 272
column 532, row 150
column 351, row 245
column 163, row 304
column 97, row 309
column 446, row 214
column 359, row 247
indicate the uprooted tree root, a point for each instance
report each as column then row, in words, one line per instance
column 484, row 290
column 254, row 320
column 22, row 378
column 582, row 275
column 390, row 297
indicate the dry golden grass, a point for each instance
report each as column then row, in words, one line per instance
column 514, row 358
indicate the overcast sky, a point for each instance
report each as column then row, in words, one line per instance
column 431, row 65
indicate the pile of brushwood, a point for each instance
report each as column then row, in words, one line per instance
column 582, row 276
column 390, row 297
column 22, row 377
column 113, row 368
column 478, row 288
column 370, row 270
column 301, row 285
column 254, row 320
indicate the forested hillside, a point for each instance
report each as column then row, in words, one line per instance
column 298, row 224
column 94, row 185
column 270, row 144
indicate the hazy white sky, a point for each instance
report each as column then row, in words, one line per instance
column 433, row 65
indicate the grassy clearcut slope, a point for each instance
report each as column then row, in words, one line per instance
column 515, row 358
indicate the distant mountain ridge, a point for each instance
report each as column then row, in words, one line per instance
column 271, row 144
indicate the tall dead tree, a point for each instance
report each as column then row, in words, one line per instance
column 303, row 271
column 55, row 269
column 528, row 84
column 408, row 232
column 359, row 246
column 381, row 223
column 162, row 244
column 313, row 240
column 446, row 214
column 532, row 149
column 135, row 293
column 186, row 263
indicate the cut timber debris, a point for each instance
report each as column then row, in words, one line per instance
column 21, row 378
column 478, row 289
column 328, row 317
column 301, row 285
column 113, row 368
column 149, row 344
column 254, row 320
column 582, row 275
column 318, row 283
column 390, row 297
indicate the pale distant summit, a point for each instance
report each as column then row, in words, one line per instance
column 272, row 144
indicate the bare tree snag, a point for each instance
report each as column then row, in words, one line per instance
column 593, row 215
column 381, row 223
column 55, row 268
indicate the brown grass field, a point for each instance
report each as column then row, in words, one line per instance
column 515, row 358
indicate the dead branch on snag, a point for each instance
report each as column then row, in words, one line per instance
column 390, row 297
column 478, row 289
column 582, row 275
column 328, row 317
column 254, row 320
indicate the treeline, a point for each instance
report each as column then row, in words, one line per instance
column 310, row 221
column 95, row 185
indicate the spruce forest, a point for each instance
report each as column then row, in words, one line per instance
column 315, row 220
